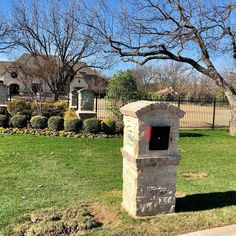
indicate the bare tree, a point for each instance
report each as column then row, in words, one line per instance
column 192, row 32
column 152, row 78
column 231, row 77
column 146, row 77
column 201, row 87
column 54, row 32
column 174, row 75
column 98, row 85
column 5, row 42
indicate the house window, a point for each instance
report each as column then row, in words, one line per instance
column 14, row 75
column 36, row 87
column 89, row 77
column 79, row 81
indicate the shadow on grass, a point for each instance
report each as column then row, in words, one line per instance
column 191, row 135
column 205, row 201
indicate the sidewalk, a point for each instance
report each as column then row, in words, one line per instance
column 229, row 230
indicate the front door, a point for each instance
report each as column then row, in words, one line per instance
column 14, row 89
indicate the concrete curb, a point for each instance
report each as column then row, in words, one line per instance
column 229, row 230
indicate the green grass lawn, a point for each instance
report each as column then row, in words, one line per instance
column 42, row 172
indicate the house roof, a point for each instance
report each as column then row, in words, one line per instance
column 4, row 65
column 86, row 69
column 26, row 58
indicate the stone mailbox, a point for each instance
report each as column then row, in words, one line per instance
column 85, row 104
column 150, row 157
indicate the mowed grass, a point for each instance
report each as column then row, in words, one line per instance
column 42, row 172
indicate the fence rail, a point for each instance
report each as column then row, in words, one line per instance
column 199, row 114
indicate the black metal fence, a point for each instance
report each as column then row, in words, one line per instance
column 199, row 114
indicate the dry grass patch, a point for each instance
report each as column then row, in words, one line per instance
column 55, row 222
column 68, row 221
column 179, row 194
column 195, row 175
column 104, row 215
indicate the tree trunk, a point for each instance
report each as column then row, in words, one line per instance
column 232, row 125
column 55, row 96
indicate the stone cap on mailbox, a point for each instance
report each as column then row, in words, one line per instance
column 139, row 108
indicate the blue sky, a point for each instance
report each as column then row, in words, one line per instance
column 5, row 7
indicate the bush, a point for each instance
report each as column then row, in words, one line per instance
column 73, row 125
column 3, row 111
column 3, row 121
column 122, row 89
column 92, row 125
column 70, row 114
column 119, row 127
column 19, row 107
column 56, row 123
column 49, row 109
column 19, row 121
column 108, row 126
column 39, row 122
column 152, row 96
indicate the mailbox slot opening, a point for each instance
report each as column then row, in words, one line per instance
column 159, row 137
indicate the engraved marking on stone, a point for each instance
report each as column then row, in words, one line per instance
column 154, row 198
column 152, row 188
column 172, row 208
column 141, row 191
column 130, row 135
column 162, row 191
column 166, row 200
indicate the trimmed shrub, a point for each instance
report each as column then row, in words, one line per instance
column 108, row 126
column 119, row 127
column 73, row 125
column 3, row 111
column 92, row 125
column 56, row 123
column 39, row 122
column 49, row 109
column 19, row 121
column 3, row 121
column 70, row 114
column 19, row 107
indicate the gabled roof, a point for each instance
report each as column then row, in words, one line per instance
column 4, row 65
column 86, row 69
column 28, row 59
column 24, row 58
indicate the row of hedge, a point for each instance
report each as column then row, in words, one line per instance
column 51, row 133
column 57, row 123
column 33, row 108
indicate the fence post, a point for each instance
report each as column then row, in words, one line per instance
column 9, row 93
column 214, row 114
column 179, row 101
column 96, row 104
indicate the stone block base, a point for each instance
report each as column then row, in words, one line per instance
column 149, row 185
column 86, row 114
